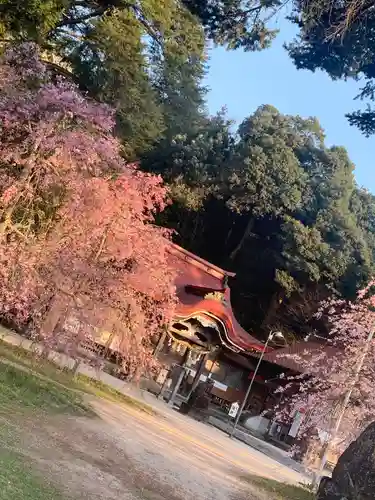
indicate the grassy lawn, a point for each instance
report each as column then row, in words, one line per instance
column 99, row 389
column 280, row 491
column 18, row 482
column 33, row 387
column 64, row 378
column 22, row 390
column 24, row 394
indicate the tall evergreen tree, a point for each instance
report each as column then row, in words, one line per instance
column 111, row 63
column 177, row 82
column 145, row 59
column 233, row 23
column 237, row 23
column 275, row 205
column 339, row 38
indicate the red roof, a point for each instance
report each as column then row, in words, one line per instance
column 297, row 356
column 201, row 277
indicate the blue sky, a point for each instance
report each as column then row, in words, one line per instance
column 243, row 81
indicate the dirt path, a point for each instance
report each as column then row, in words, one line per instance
column 130, row 456
column 125, row 454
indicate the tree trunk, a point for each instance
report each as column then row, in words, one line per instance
column 194, row 230
column 242, row 241
column 108, row 345
column 274, row 305
column 57, row 311
column 230, row 232
column 160, row 344
column 77, row 362
column 54, row 321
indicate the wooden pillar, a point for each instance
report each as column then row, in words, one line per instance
column 160, row 344
column 160, row 395
column 200, row 370
column 217, row 352
column 177, row 386
column 179, row 379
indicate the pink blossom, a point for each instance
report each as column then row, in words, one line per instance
column 329, row 373
column 77, row 242
column 8, row 194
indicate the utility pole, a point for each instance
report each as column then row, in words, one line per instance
column 270, row 337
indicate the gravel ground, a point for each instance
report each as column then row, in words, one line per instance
column 125, row 454
column 128, row 455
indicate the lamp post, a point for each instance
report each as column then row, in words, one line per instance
column 271, row 336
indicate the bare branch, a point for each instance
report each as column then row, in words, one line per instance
column 143, row 21
column 101, row 246
column 68, row 21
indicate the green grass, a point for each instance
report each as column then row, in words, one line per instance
column 65, row 379
column 30, row 360
column 31, row 386
column 22, row 390
column 280, row 491
column 18, row 482
column 99, row 389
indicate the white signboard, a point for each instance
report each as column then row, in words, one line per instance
column 323, row 436
column 162, row 376
column 297, row 421
column 233, row 410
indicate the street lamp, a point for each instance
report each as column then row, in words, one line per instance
column 271, row 336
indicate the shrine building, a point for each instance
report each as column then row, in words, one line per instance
column 206, row 338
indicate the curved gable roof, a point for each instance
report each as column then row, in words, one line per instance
column 196, row 280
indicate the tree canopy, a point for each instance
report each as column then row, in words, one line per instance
column 338, row 37
column 268, row 200
column 75, row 219
column 237, row 23
column 274, row 204
column 234, row 23
column 335, row 389
column 137, row 58
column 109, row 46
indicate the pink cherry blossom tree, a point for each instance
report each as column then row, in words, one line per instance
column 77, row 238
column 336, row 388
